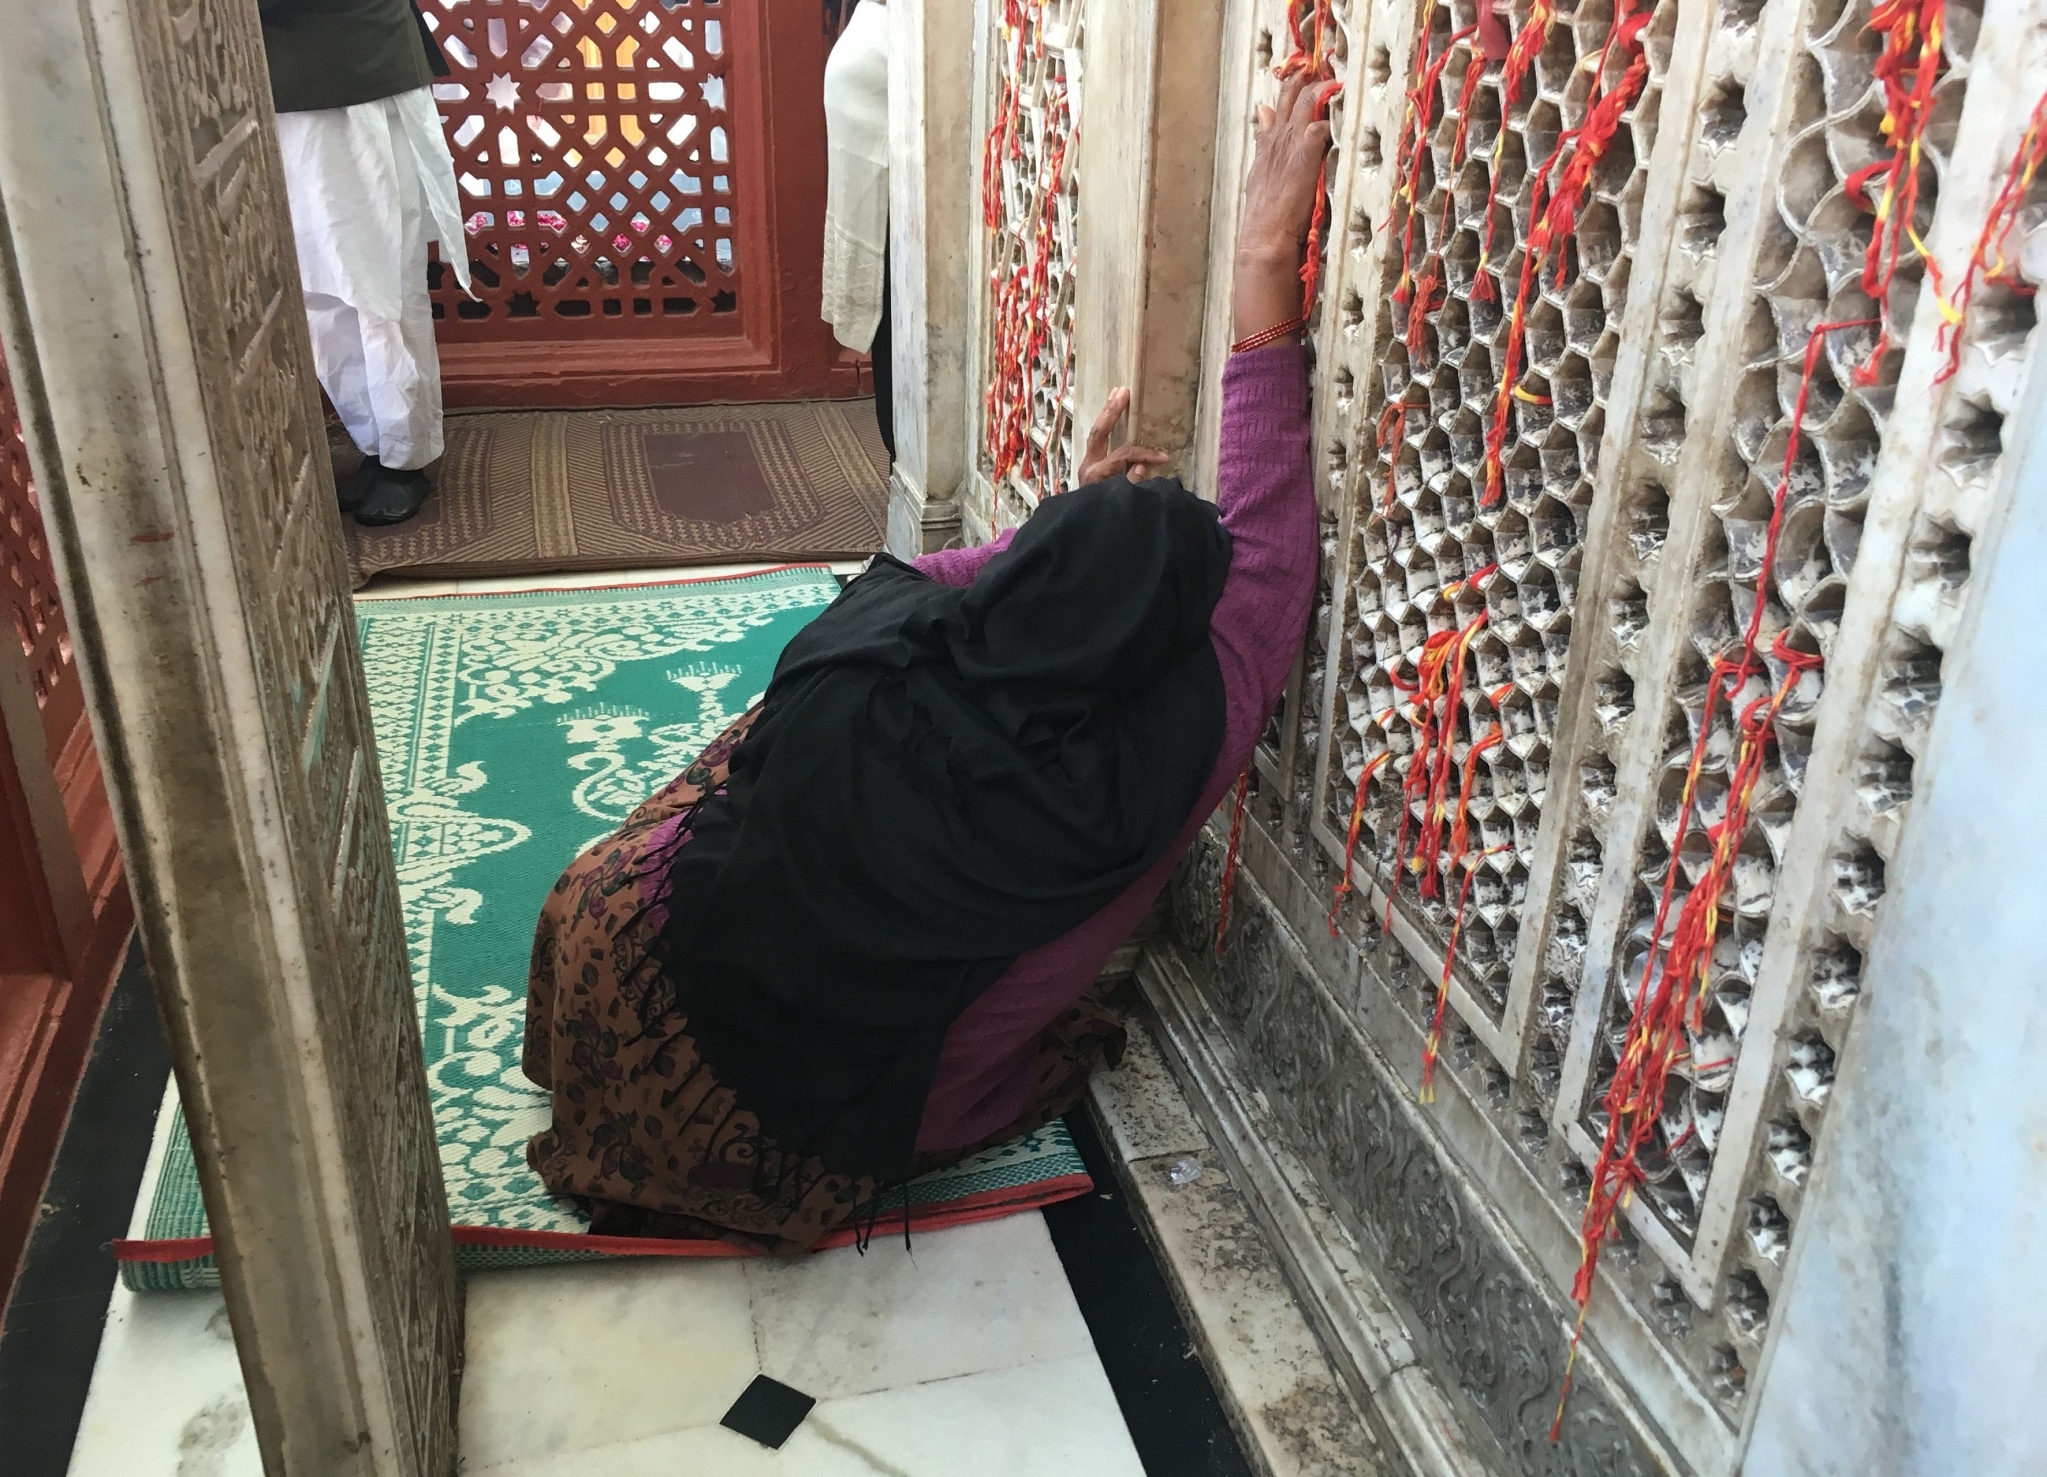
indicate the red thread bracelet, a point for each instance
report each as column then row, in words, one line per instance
column 1270, row 335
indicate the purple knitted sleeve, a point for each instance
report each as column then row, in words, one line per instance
column 959, row 566
column 988, row 1065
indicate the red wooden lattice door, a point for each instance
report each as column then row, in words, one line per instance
column 644, row 188
column 64, row 912
column 31, row 586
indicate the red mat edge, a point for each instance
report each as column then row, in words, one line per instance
column 968, row 1210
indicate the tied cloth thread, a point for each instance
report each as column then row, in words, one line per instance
column 1422, row 293
column 1407, row 163
column 1669, row 996
column 1023, row 313
column 1417, row 295
column 1311, row 58
column 1907, row 67
column 1556, row 195
column 1987, row 260
column 1230, row 855
column 1436, row 695
column 1514, row 72
column 1432, row 1047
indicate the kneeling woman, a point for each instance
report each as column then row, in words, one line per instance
column 856, row 938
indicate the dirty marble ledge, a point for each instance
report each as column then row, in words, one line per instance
column 1292, row 1415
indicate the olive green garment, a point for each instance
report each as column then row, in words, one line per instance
column 337, row 53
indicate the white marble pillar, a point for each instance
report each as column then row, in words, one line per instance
column 150, row 303
column 933, row 188
column 1147, row 168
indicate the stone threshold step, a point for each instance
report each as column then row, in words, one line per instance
column 1292, row 1415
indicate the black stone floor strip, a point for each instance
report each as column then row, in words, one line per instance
column 1167, row 1399
column 59, row 1308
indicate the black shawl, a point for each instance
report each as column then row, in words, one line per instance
column 939, row 780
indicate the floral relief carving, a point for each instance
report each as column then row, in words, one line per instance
column 1487, row 1332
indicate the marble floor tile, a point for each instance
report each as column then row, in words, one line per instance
column 1055, row 1418
column 588, row 580
column 958, row 1302
column 966, row 1355
column 167, row 1395
column 599, row 579
column 707, row 1451
column 561, row 1359
column 390, row 589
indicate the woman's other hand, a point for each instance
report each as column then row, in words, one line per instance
column 1279, row 206
column 1099, row 464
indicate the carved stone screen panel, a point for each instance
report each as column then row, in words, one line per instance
column 1029, row 199
column 28, row 585
column 186, row 491
column 1449, row 535
column 595, row 159
column 224, row 196
column 1548, row 448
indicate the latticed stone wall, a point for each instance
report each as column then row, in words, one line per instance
column 1578, row 513
column 1027, row 204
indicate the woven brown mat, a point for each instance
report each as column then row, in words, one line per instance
column 540, row 492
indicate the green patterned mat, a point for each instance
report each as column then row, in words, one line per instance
column 513, row 731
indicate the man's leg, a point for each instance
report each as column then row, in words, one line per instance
column 403, row 370
column 338, row 362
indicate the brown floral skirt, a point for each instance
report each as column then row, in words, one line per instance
column 643, row 1130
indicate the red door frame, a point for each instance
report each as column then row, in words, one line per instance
column 784, row 350
column 65, row 910
column 52, row 989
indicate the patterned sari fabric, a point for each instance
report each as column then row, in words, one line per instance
column 643, row 1129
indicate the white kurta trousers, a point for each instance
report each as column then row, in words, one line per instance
column 370, row 186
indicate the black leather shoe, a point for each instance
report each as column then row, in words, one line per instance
column 393, row 497
column 350, row 491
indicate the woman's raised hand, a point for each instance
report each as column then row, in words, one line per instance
column 1099, row 464
column 1279, row 206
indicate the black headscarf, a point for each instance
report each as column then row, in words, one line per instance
column 939, row 780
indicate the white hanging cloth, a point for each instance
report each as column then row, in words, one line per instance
column 856, row 191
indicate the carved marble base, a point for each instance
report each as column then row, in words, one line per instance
column 1428, row 1309
column 917, row 526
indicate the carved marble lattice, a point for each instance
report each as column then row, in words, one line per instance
column 1030, row 199
column 593, row 146
column 28, row 585
column 1420, row 529
column 1890, row 484
column 1661, row 372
